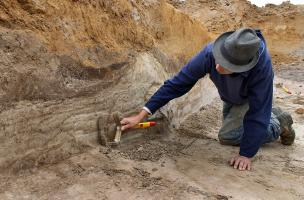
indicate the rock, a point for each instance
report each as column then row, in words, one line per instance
column 278, row 85
column 300, row 111
column 154, row 169
column 33, row 6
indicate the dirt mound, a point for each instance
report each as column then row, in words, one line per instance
column 281, row 25
column 68, row 24
column 152, row 150
column 66, row 63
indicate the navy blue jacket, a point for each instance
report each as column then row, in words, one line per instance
column 254, row 86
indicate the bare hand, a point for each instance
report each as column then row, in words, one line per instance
column 241, row 162
column 129, row 122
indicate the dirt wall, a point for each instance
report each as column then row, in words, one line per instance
column 282, row 25
column 64, row 64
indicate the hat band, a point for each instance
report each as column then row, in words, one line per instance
column 232, row 59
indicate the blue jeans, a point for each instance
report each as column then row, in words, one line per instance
column 232, row 129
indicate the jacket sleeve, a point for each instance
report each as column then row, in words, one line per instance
column 257, row 118
column 183, row 81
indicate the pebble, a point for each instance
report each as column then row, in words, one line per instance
column 154, row 169
column 300, row 111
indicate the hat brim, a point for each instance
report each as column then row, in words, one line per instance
column 221, row 60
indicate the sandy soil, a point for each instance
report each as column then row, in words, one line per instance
column 64, row 64
column 163, row 166
column 167, row 166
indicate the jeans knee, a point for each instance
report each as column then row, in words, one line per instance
column 231, row 138
column 231, row 142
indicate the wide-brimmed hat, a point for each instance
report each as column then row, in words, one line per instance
column 237, row 51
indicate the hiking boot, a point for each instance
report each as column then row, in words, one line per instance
column 287, row 132
column 277, row 111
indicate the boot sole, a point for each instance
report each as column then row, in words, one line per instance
column 288, row 135
column 289, row 139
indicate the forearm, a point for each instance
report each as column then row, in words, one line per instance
column 182, row 82
column 256, row 122
column 142, row 114
column 173, row 88
column 257, row 118
column 165, row 94
column 250, row 145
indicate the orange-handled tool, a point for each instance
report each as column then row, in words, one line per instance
column 145, row 125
